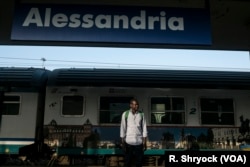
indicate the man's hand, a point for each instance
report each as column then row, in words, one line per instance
column 123, row 145
column 144, row 143
column 144, row 146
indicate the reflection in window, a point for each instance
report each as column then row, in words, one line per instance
column 11, row 105
column 111, row 108
column 72, row 105
column 167, row 110
column 217, row 111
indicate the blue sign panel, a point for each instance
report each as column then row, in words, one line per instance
column 113, row 24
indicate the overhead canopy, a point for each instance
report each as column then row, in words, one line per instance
column 230, row 23
column 150, row 78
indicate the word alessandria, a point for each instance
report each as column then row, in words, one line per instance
column 142, row 21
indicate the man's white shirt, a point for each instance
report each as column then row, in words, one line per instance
column 136, row 128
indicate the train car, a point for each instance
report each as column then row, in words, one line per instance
column 184, row 109
column 22, row 95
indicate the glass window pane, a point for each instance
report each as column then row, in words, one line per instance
column 173, row 118
column 209, row 118
column 167, row 110
column 222, row 105
column 11, row 98
column 107, row 103
column 156, row 117
column 217, row 111
column 111, row 108
column 11, row 105
column 227, row 105
column 11, row 108
column 160, row 103
column 208, row 104
column 227, row 119
column 72, row 105
column 178, row 103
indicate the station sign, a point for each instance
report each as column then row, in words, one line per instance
column 111, row 24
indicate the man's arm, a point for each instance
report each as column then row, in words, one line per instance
column 123, row 127
column 123, row 131
column 144, row 134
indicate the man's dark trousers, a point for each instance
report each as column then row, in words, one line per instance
column 134, row 152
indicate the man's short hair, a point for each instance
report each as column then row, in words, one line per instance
column 134, row 100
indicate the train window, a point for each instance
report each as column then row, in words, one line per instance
column 11, row 105
column 217, row 111
column 111, row 108
column 73, row 105
column 167, row 110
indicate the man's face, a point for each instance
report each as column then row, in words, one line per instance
column 134, row 105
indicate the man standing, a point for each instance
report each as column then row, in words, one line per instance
column 133, row 133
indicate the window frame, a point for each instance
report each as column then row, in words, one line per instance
column 73, row 116
column 20, row 104
column 184, row 111
column 215, row 98
column 99, row 108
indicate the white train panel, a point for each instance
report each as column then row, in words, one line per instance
column 21, row 125
column 91, row 103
